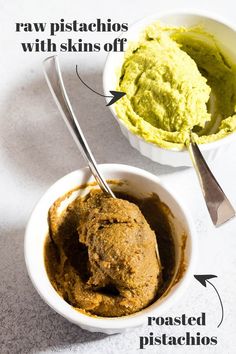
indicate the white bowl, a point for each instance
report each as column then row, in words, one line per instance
column 224, row 32
column 139, row 183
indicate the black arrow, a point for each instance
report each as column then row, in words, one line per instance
column 116, row 95
column 204, row 279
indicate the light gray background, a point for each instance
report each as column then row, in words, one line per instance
column 36, row 150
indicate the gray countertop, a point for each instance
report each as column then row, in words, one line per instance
column 36, row 150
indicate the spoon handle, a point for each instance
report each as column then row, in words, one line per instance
column 55, row 82
column 219, row 207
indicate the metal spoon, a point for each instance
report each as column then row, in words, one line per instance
column 54, row 79
column 219, row 207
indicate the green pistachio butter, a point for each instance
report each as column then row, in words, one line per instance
column 177, row 81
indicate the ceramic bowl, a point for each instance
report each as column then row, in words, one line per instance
column 224, row 33
column 139, row 183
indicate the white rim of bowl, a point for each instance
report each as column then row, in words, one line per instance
column 147, row 20
column 116, row 323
